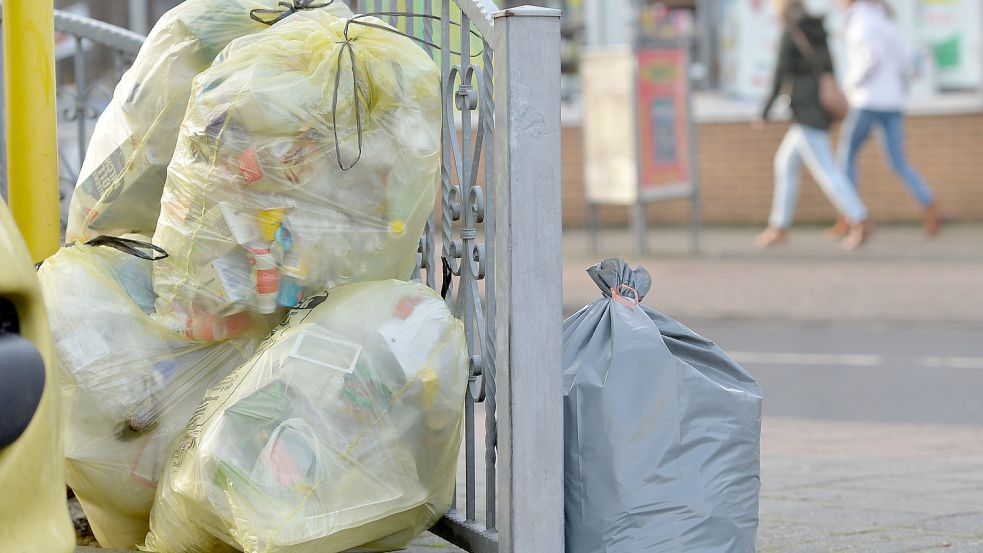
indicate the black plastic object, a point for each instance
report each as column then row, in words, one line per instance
column 9, row 321
column 21, row 385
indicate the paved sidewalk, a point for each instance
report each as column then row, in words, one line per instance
column 899, row 277
column 832, row 487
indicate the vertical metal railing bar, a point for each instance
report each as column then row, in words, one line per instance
column 81, row 97
column 470, row 502
column 424, row 264
column 394, row 7
column 427, row 26
column 468, row 310
column 421, row 263
column 448, row 146
column 487, row 108
column 428, row 260
column 421, row 251
column 447, row 142
column 410, row 22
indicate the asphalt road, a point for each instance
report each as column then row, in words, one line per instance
column 878, row 373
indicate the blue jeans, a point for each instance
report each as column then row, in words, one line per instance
column 856, row 131
column 812, row 146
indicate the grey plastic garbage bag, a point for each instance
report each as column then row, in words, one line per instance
column 662, row 430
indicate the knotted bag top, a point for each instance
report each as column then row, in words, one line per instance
column 617, row 280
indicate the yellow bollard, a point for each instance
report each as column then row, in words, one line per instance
column 32, row 140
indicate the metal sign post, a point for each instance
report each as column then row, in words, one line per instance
column 639, row 133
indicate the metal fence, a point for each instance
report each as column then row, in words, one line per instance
column 495, row 246
column 78, row 105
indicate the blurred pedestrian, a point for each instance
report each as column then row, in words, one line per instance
column 804, row 62
column 876, row 83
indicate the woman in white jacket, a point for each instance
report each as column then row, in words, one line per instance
column 875, row 86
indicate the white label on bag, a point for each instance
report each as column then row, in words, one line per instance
column 405, row 336
column 83, row 345
column 236, row 276
column 243, row 226
column 318, row 346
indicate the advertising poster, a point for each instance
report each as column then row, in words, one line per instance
column 749, row 34
column 610, row 172
column 663, row 119
column 944, row 37
column 950, row 29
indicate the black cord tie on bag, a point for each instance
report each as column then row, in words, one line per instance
column 445, row 278
column 286, row 9
column 136, row 248
column 346, row 45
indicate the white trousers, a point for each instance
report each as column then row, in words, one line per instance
column 812, row 146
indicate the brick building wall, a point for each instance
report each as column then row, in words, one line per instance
column 736, row 175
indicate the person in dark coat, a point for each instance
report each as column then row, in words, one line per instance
column 803, row 57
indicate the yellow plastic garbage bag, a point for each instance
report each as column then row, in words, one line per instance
column 285, row 181
column 33, row 509
column 342, row 432
column 123, row 173
column 129, row 385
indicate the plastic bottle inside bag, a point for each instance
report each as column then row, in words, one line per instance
column 257, row 168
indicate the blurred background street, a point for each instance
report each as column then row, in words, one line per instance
column 871, row 361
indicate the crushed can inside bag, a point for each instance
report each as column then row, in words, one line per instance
column 342, row 432
column 661, row 427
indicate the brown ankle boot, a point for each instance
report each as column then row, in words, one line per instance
column 771, row 236
column 858, row 234
column 839, row 229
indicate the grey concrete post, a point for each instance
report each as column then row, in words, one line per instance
column 528, row 279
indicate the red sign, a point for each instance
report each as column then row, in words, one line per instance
column 663, row 119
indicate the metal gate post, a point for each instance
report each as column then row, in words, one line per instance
column 528, row 279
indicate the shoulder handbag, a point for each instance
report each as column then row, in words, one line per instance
column 831, row 97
